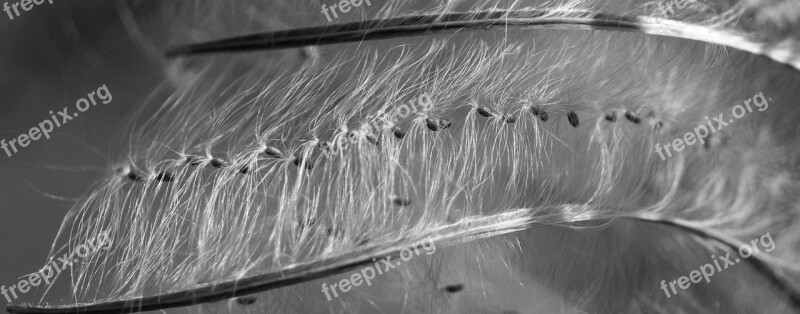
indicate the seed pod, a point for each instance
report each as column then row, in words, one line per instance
column 510, row 119
column 611, row 117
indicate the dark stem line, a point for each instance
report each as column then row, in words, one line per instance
column 406, row 27
column 758, row 263
column 465, row 231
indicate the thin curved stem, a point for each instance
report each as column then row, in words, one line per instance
column 466, row 230
column 419, row 25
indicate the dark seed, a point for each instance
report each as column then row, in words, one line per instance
column 543, row 116
column 244, row 169
column 454, row 288
column 538, row 111
column 299, row 160
column 572, row 117
column 217, row 163
column 246, row 300
column 432, row 124
column 632, row 118
column 398, row 132
column 273, row 152
column 611, row 117
column 511, row 119
column 193, row 160
column 164, row 177
column 484, row 113
column 135, row 177
column 402, row 201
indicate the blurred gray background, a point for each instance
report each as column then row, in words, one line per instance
column 50, row 57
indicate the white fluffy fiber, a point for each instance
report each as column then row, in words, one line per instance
column 214, row 224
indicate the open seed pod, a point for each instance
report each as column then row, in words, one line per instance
column 553, row 157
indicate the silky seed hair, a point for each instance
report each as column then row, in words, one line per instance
column 222, row 190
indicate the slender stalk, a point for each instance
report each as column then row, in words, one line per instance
column 419, row 25
column 404, row 27
column 466, row 230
